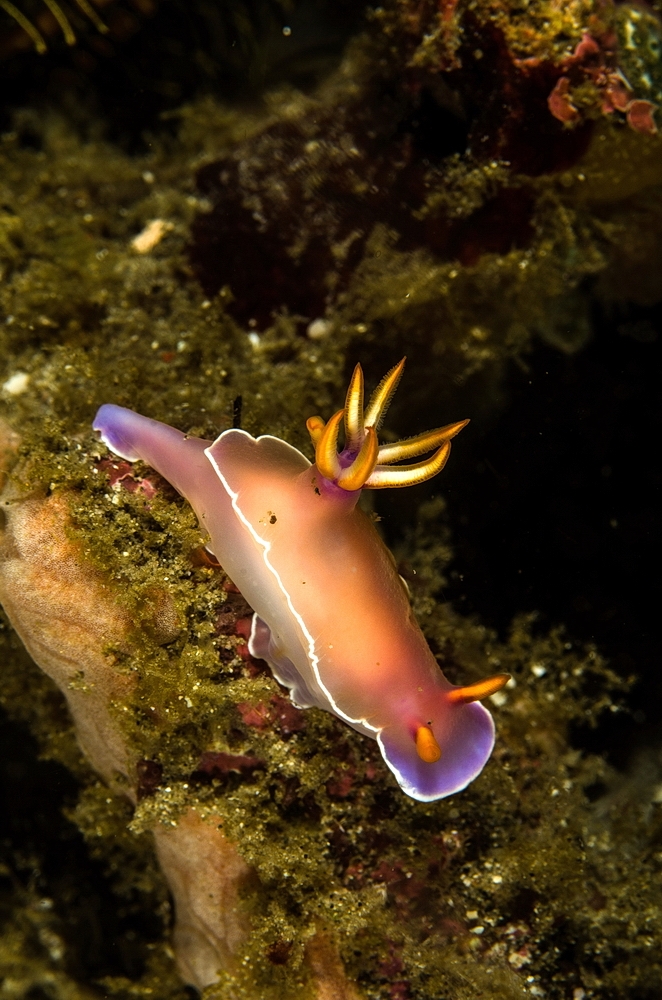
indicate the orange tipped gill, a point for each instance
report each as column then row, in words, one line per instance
column 326, row 449
column 356, row 474
column 411, row 447
column 354, row 429
column 381, row 397
column 315, row 427
column 372, row 465
column 409, row 475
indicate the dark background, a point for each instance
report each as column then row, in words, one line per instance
column 558, row 510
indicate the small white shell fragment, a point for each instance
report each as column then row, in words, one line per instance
column 318, row 329
column 16, row 384
column 152, row 234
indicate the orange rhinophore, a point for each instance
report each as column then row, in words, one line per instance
column 479, row 690
column 332, row 618
column 427, row 747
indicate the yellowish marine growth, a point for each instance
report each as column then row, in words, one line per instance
column 369, row 462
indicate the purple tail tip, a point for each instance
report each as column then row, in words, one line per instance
column 466, row 745
column 115, row 426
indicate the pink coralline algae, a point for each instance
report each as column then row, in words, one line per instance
column 215, row 763
column 121, row 475
column 560, row 102
column 597, row 61
column 278, row 713
column 640, row 117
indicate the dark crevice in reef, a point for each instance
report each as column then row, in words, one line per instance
column 276, row 246
column 436, row 131
column 293, row 206
column 506, row 103
column 45, row 866
column 502, row 224
column 229, row 249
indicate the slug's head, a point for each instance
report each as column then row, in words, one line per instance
column 363, row 461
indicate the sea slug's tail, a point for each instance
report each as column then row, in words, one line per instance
column 177, row 457
column 122, row 430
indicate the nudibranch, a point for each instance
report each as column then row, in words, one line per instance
column 332, row 615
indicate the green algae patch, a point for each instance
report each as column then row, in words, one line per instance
column 618, row 165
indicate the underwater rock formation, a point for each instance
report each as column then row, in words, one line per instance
column 65, row 619
column 204, row 872
column 326, row 850
column 68, row 617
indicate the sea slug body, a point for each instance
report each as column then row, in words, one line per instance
column 332, row 616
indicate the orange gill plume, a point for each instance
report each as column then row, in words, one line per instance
column 370, row 463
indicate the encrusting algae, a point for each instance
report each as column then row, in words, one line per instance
column 259, row 255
